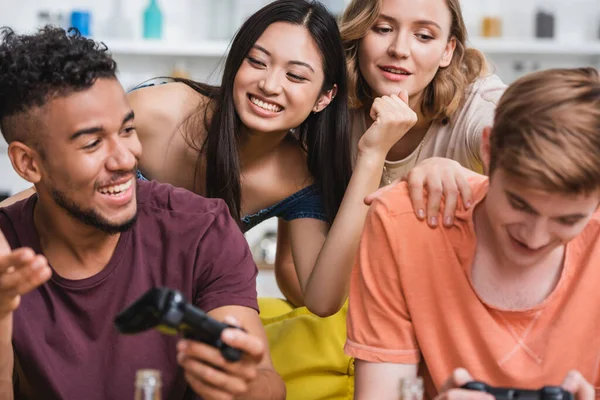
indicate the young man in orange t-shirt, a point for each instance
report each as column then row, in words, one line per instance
column 509, row 295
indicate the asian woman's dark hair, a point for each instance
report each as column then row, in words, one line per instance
column 325, row 136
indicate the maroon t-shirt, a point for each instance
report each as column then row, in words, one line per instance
column 64, row 339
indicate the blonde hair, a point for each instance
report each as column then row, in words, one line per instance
column 444, row 95
column 547, row 131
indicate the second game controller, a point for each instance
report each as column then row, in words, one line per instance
column 545, row 393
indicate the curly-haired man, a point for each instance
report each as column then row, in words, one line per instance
column 93, row 239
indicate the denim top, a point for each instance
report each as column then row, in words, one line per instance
column 305, row 203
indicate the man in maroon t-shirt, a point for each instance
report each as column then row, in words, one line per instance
column 94, row 239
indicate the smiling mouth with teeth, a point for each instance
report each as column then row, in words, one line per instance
column 264, row 105
column 396, row 71
column 116, row 190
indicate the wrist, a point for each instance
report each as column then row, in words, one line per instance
column 370, row 158
column 371, row 149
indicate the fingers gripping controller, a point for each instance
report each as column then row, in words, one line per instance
column 167, row 311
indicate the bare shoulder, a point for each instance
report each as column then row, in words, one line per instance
column 161, row 113
column 162, row 108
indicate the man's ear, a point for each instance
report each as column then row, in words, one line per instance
column 486, row 148
column 325, row 99
column 25, row 161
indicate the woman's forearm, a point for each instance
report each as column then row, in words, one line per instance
column 326, row 289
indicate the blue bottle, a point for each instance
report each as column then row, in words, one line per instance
column 82, row 20
column 153, row 21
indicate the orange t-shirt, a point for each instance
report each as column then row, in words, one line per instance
column 412, row 300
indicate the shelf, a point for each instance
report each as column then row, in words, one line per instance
column 166, row 48
column 536, row 47
column 209, row 48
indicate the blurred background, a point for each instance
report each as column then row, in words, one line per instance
column 188, row 38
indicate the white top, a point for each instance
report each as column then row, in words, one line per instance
column 458, row 140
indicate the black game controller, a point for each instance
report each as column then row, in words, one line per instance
column 545, row 393
column 168, row 312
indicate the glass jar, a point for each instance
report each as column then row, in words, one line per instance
column 148, row 384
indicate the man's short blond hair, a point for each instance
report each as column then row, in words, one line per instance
column 546, row 131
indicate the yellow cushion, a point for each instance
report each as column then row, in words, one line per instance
column 308, row 351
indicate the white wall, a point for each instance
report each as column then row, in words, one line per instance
column 182, row 17
column 187, row 19
column 10, row 182
column 195, row 20
column 576, row 19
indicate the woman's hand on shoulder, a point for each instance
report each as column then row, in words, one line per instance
column 435, row 177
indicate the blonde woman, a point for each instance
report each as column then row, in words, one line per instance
column 420, row 47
